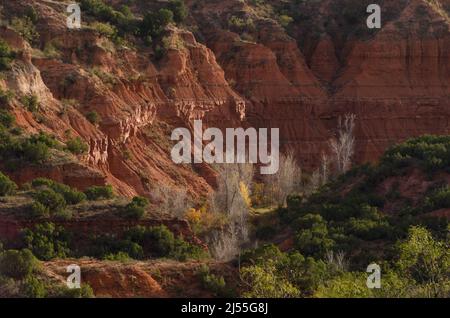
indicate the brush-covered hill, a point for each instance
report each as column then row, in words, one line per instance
column 394, row 214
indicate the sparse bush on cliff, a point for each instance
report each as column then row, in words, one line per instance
column 6, row 119
column 7, row 187
column 179, row 9
column 37, row 152
column 99, row 192
column 5, row 97
column 93, row 117
column 31, row 102
column 34, row 149
column 77, row 146
column 6, row 56
column 25, row 27
column 154, row 23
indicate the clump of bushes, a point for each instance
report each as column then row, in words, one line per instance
column 18, row 278
column 17, row 264
column 71, row 196
column 141, row 243
column 6, row 56
column 431, row 153
column 31, row 102
column 99, row 192
column 77, row 146
column 51, row 199
column 25, row 27
column 136, row 208
column 159, row 241
column 7, row 186
column 47, row 241
column 215, row 284
column 6, row 119
column 438, row 199
column 5, row 97
column 34, row 149
column 93, row 117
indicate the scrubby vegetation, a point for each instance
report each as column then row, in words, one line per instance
column 77, row 146
column 6, row 56
column 7, row 187
column 339, row 233
column 19, row 277
column 93, row 117
column 99, row 192
column 136, row 208
column 119, row 23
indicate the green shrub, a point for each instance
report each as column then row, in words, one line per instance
column 39, row 182
column 160, row 238
column 7, row 187
column 35, row 152
column 71, row 196
column 136, row 208
column 38, row 210
column 213, row 283
column 93, row 117
column 31, row 102
column 6, row 119
column 132, row 211
column 123, row 20
column 179, row 9
column 5, row 96
column 154, row 23
column 106, row 245
column 120, row 257
column 314, row 241
column 368, row 229
column 6, row 56
column 159, row 241
column 77, row 146
column 34, row 288
column 17, row 264
column 46, row 139
column 52, row 200
column 47, row 241
column 99, row 192
column 263, row 281
column 430, row 152
column 64, row 292
column 439, row 199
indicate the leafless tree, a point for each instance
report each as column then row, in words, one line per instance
column 173, row 202
column 228, row 200
column 286, row 181
column 342, row 145
column 313, row 183
column 336, row 261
